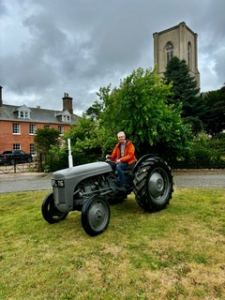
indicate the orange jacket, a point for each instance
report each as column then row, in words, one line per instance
column 128, row 157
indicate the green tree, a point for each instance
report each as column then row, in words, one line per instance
column 184, row 91
column 85, row 138
column 139, row 107
column 214, row 117
column 94, row 111
column 45, row 138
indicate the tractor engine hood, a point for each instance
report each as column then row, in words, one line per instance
column 64, row 182
column 83, row 171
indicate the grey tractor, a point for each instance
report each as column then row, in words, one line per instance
column 92, row 187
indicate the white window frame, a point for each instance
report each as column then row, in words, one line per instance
column 16, row 146
column 32, row 149
column 61, row 129
column 32, row 129
column 66, row 117
column 16, row 128
column 24, row 112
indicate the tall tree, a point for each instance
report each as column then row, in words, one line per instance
column 94, row 111
column 214, row 118
column 85, row 138
column 139, row 107
column 45, row 138
column 184, row 91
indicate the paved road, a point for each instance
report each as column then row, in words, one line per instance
column 41, row 181
column 20, row 182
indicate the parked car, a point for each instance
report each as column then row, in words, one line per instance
column 15, row 157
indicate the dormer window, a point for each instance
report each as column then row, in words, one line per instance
column 64, row 116
column 23, row 112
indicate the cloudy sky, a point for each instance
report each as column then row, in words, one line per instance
column 49, row 47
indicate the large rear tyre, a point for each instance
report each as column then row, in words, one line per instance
column 50, row 212
column 153, row 184
column 95, row 215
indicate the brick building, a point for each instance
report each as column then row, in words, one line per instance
column 19, row 123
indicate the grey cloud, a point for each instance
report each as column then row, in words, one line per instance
column 26, row 74
column 3, row 8
column 80, row 46
column 220, row 65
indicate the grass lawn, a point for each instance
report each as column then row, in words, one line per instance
column 178, row 253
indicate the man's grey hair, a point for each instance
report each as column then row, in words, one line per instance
column 121, row 133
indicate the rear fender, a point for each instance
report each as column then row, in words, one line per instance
column 138, row 163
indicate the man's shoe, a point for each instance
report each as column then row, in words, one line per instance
column 122, row 189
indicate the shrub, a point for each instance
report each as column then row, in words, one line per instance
column 206, row 152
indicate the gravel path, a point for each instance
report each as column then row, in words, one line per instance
column 18, row 182
column 200, row 178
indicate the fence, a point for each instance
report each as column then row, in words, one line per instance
column 19, row 168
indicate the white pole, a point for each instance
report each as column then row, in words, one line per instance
column 70, row 157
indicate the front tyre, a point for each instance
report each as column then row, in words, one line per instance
column 50, row 212
column 153, row 184
column 95, row 215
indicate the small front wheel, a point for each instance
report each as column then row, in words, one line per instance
column 50, row 212
column 95, row 215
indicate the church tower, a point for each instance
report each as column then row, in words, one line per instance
column 178, row 41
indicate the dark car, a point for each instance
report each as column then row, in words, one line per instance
column 14, row 157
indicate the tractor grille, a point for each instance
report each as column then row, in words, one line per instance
column 59, row 194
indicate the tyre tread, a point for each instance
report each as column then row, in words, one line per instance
column 140, row 184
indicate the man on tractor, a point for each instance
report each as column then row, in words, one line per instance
column 123, row 156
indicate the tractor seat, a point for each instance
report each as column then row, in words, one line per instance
column 129, row 168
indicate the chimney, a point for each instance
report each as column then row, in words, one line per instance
column 68, row 103
column 1, row 103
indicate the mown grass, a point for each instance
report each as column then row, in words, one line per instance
column 177, row 253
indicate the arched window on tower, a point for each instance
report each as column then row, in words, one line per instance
column 169, row 51
column 189, row 51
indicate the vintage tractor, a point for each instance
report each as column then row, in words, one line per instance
column 90, row 188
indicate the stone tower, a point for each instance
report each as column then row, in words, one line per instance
column 178, row 41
